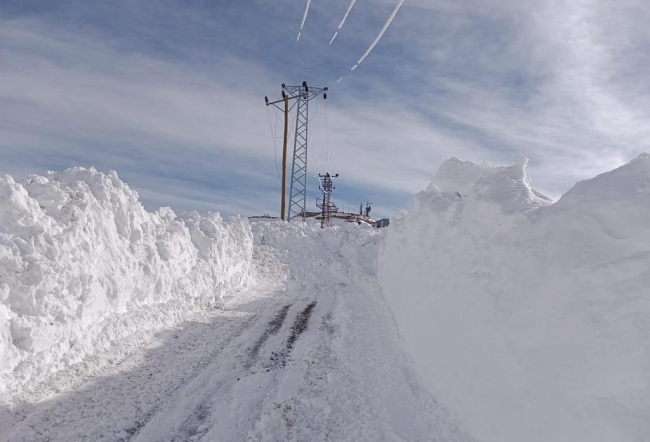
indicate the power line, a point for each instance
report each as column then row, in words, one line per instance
column 273, row 137
column 327, row 141
column 381, row 33
column 304, row 18
column 345, row 17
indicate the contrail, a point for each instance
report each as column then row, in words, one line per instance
column 339, row 80
column 381, row 33
column 304, row 17
column 345, row 17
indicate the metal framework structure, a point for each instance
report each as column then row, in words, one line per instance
column 298, row 190
column 325, row 204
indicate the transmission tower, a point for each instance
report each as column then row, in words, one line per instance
column 324, row 203
column 298, row 190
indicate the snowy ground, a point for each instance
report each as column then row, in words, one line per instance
column 526, row 320
column 310, row 353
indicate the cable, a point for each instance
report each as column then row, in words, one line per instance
column 311, row 142
column 327, row 141
column 273, row 137
column 315, row 112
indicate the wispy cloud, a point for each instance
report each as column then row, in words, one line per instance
column 170, row 94
column 546, row 79
column 71, row 100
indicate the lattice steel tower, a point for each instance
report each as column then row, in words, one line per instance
column 298, row 191
column 302, row 96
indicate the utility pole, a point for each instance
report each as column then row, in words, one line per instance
column 284, row 154
column 324, row 203
column 298, row 192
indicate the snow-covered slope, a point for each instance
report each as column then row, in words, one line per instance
column 83, row 264
column 529, row 320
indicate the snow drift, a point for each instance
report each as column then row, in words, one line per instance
column 318, row 256
column 529, row 320
column 83, row 264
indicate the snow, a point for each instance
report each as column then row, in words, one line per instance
column 390, row 19
column 485, row 312
column 83, row 265
column 309, row 352
column 353, row 381
column 528, row 320
column 345, row 17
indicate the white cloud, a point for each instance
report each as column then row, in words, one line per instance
column 556, row 80
column 563, row 82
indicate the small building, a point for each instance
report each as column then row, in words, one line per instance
column 382, row 223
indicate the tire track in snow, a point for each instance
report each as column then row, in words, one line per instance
column 133, row 392
column 207, row 400
column 300, row 324
column 236, row 362
column 202, row 410
column 294, row 409
column 272, row 328
column 194, row 428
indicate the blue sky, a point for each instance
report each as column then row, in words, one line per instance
column 170, row 93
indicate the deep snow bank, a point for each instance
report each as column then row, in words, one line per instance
column 530, row 320
column 322, row 256
column 83, row 264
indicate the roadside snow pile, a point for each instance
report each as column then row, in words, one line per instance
column 83, row 264
column 529, row 320
column 322, row 256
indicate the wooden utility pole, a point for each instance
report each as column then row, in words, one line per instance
column 284, row 155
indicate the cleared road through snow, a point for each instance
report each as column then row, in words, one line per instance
column 302, row 356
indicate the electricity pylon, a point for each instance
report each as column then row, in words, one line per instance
column 298, row 191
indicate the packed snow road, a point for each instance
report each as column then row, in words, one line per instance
column 311, row 353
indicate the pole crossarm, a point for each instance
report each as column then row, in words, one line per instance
column 303, row 92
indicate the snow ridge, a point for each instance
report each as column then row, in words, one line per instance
column 528, row 319
column 83, row 264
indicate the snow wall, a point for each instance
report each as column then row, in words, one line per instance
column 83, row 264
column 529, row 320
column 317, row 257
